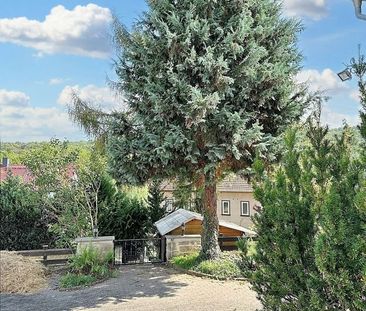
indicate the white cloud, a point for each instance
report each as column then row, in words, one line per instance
column 355, row 95
column 80, row 31
column 329, row 83
column 55, row 81
column 23, row 122
column 36, row 124
column 314, row 9
column 325, row 81
column 101, row 97
column 13, row 98
column 335, row 119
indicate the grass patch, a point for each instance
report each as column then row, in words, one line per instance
column 187, row 262
column 227, row 266
column 70, row 280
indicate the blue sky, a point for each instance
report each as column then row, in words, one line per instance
column 48, row 48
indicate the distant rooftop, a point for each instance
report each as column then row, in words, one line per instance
column 16, row 170
column 228, row 184
column 23, row 172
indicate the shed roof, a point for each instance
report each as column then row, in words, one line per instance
column 182, row 216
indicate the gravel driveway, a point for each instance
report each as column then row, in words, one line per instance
column 144, row 288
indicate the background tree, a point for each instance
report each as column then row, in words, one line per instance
column 124, row 217
column 50, row 165
column 155, row 203
column 90, row 176
column 207, row 85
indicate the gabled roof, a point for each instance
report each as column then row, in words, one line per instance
column 175, row 220
column 231, row 183
column 182, row 216
column 234, row 184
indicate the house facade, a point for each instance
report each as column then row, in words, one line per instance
column 235, row 201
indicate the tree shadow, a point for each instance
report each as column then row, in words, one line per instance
column 132, row 282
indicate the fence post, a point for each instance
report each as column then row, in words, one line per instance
column 45, row 248
column 163, row 249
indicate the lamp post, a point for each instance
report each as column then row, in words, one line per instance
column 345, row 75
column 358, row 9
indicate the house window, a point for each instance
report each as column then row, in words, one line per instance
column 244, row 208
column 225, row 207
column 169, row 205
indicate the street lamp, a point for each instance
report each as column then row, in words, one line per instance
column 358, row 9
column 345, row 75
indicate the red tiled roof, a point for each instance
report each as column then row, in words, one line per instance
column 16, row 170
column 24, row 173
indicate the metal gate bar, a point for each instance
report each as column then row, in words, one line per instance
column 139, row 251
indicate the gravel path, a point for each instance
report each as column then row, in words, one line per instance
column 144, row 288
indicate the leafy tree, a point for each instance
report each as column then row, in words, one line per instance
column 21, row 217
column 90, row 175
column 71, row 217
column 207, row 85
column 50, row 164
column 67, row 179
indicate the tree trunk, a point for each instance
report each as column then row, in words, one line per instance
column 210, row 229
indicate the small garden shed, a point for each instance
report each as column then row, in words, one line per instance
column 182, row 231
column 183, row 222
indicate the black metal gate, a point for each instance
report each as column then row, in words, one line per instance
column 137, row 251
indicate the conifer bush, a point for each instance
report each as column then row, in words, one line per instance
column 311, row 251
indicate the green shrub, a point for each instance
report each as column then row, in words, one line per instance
column 22, row 220
column 247, row 250
column 124, row 217
column 227, row 266
column 90, row 261
column 73, row 280
column 87, row 267
column 223, row 268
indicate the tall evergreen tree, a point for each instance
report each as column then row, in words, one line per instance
column 311, row 252
column 340, row 246
column 208, row 84
column 286, row 277
column 341, row 240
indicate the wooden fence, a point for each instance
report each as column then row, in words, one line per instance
column 45, row 252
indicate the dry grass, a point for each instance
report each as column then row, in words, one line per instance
column 20, row 274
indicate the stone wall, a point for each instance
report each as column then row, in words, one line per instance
column 182, row 245
column 104, row 244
